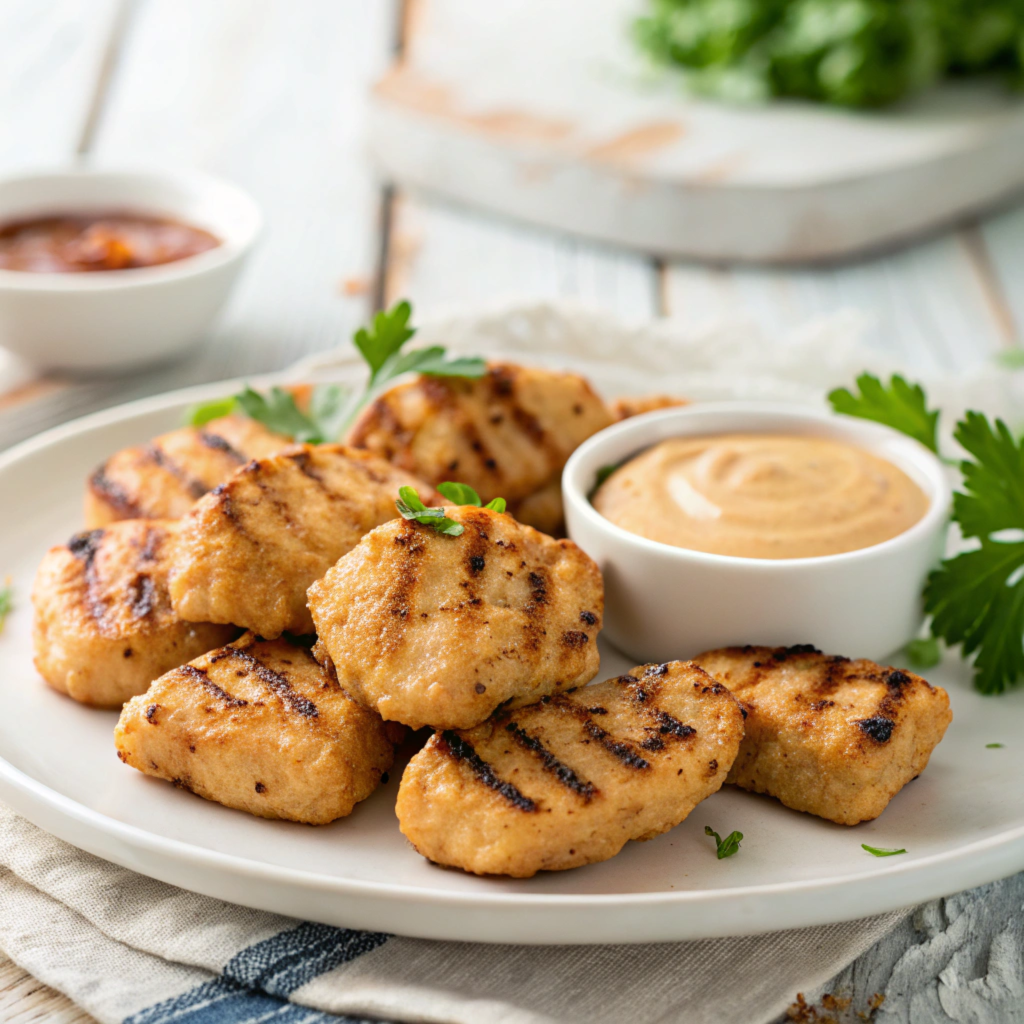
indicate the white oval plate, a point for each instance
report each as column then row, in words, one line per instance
column 962, row 822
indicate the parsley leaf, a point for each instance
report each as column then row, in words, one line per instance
column 901, row 406
column 924, row 652
column 389, row 332
column 1011, row 359
column 993, row 496
column 6, row 602
column 879, row 851
column 278, row 412
column 726, row 847
column 410, row 506
column 202, row 413
column 463, row 494
column 977, row 600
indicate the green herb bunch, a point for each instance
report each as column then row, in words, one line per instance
column 856, row 53
column 976, row 598
column 332, row 408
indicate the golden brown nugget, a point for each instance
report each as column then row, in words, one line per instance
column 104, row 628
column 163, row 479
column 249, row 549
column 637, row 405
column 259, row 726
column 507, row 434
column 437, row 630
column 827, row 735
column 570, row 780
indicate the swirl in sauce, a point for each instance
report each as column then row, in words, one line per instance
column 761, row 496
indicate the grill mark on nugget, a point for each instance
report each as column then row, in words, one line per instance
column 462, row 750
column 271, row 679
column 565, row 775
column 199, row 676
column 114, row 494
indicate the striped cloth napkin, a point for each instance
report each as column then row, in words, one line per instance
column 131, row 950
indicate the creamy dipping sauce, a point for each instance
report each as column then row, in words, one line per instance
column 761, row 496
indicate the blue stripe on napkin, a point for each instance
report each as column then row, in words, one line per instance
column 256, row 981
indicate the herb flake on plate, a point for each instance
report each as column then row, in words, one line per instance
column 725, row 847
column 880, row 851
column 6, row 602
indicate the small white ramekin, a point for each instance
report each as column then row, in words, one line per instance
column 664, row 602
column 120, row 319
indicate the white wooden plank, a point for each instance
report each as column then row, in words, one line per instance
column 1003, row 240
column 51, row 56
column 271, row 94
column 441, row 256
column 930, row 304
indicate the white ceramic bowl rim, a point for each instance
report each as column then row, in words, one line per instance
column 232, row 244
column 642, row 428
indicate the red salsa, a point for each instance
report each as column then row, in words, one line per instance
column 73, row 243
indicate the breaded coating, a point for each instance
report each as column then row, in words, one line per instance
column 569, row 780
column 637, row 405
column 104, row 628
column 438, row 630
column 507, row 434
column 249, row 549
column 827, row 735
column 163, row 479
column 259, row 726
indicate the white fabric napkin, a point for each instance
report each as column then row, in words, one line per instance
column 130, row 949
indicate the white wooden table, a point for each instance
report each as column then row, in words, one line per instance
column 271, row 93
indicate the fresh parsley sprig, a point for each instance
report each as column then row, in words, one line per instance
column 976, row 598
column 332, row 409
column 725, row 847
column 410, row 506
column 279, row 411
column 6, row 602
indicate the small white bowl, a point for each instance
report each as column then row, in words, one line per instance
column 664, row 602
column 114, row 320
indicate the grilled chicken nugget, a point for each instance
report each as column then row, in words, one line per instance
column 508, row 434
column 252, row 546
column 104, row 628
column 437, row 630
column 260, row 726
column 568, row 781
column 164, row 478
column 637, row 405
column 827, row 735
